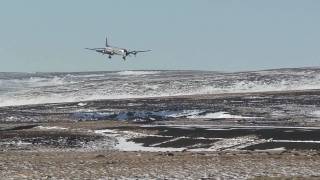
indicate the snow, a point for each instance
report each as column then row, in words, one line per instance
column 123, row 144
column 137, row 73
column 218, row 115
column 51, row 128
column 315, row 114
column 273, row 149
column 82, row 104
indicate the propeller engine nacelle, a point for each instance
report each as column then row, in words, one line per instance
column 125, row 52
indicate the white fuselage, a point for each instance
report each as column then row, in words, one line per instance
column 115, row 51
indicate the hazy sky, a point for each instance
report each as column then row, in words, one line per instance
column 223, row 35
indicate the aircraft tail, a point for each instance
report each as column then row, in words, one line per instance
column 107, row 42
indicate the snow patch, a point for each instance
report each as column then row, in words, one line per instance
column 231, row 143
column 273, row 149
column 122, row 142
column 82, row 104
column 316, row 114
column 137, row 73
column 218, row 115
column 51, row 128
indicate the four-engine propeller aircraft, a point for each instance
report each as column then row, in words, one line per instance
column 111, row 50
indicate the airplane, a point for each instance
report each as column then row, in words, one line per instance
column 111, row 50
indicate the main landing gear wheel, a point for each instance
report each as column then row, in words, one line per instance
column 109, row 56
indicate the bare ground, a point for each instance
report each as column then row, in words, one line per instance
column 48, row 163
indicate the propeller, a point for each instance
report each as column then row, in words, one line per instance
column 135, row 54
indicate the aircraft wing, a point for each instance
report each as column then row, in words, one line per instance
column 94, row 49
column 99, row 50
column 136, row 52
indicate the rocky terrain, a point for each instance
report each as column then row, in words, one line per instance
column 226, row 136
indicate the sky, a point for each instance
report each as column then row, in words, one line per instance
column 217, row 35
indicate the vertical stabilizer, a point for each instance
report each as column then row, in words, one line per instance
column 107, row 42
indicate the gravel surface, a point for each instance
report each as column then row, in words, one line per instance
column 173, row 165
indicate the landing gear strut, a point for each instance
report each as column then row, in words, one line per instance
column 124, row 58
